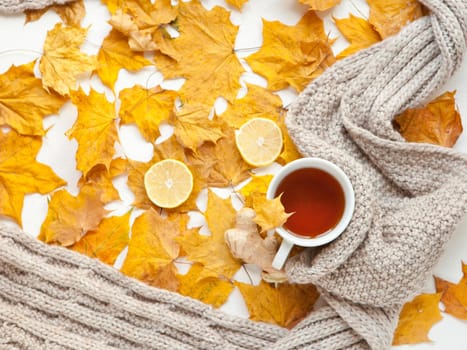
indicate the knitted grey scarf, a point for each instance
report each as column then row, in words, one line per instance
column 409, row 198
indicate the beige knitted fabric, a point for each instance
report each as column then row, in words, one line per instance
column 409, row 197
column 15, row 6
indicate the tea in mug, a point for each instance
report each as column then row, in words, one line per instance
column 316, row 198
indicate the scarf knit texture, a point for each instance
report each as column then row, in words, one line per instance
column 409, row 199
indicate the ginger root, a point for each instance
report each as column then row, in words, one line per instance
column 246, row 244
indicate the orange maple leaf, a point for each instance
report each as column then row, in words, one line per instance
column 107, row 241
column 454, row 296
column 416, row 319
column 284, row 305
column 438, row 123
column 390, row 16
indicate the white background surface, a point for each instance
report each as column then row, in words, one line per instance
column 21, row 43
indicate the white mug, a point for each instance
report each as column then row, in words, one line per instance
column 289, row 239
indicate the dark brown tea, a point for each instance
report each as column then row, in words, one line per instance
column 317, row 199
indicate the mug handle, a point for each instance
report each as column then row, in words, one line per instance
column 282, row 254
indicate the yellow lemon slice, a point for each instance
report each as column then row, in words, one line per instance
column 168, row 183
column 259, row 141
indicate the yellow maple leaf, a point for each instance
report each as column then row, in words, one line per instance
column 203, row 54
column 70, row 13
column 212, row 251
column 220, row 164
column 270, row 213
column 416, row 319
column 438, row 123
column 238, row 4
column 192, row 126
column 284, row 305
column 257, row 103
column 113, row 5
column 95, row 130
column 209, row 290
column 170, row 149
column 153, row 248
column 100, row 178
column 292, row 55
column 290, row 151
column 359, row 32
column 320, row 5
column 136, row 171
column 454, row 296
column 258, row 184
column 142, row 21
column 24, row 102
column 69, row 218
column 390, row 16
column 147, row 108
column 21, row 174
column 115, row 54
column 62, row 60
column 107, row 241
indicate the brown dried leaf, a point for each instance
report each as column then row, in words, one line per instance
column 220, row 164
column 70, row 13
column 142, row 21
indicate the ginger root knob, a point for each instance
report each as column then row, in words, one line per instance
column 246, row 244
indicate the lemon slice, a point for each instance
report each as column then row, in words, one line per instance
column 168, row 183
column 259, row 141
